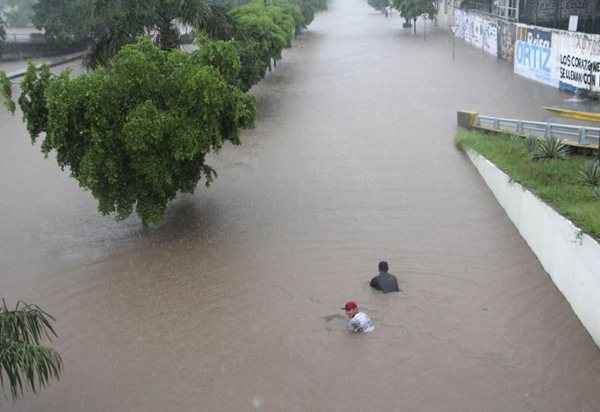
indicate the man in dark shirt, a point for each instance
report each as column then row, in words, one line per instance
column 385, row 282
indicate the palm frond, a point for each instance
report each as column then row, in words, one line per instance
column 27, row 365
column 26, row 323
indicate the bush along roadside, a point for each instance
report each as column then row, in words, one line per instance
column 567, row 182
column 138, row 130
column 261, row 33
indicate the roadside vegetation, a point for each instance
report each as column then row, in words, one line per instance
column 25, row 363
column 568, row 182
column 137, row 128
column 413, row 9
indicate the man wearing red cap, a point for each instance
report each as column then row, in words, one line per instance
column 358, row 322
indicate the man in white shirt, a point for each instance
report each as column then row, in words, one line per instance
column 358, row 322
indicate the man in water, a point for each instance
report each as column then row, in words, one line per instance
column 358, row 322
column 384, row 281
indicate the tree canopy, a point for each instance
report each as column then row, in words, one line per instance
column 379, row 4
column 136, row 130
column 411, row 9
column 109, row 24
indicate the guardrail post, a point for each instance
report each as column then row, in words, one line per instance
column 548, row 131
column 583, row 136
column 496, row 124
column 519, row 127
column 466, row 119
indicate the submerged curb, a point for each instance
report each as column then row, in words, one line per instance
column 569, row 256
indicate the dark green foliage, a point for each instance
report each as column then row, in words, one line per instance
column 64, row 21
column 33, row 99
column 556, row 181
column 590, row 174
column 379, row 4
column 550, row 148
column 137, row 132
column 24, row 362
column 310, row 7
column 109, row 24
column 261, row 33
column 411, row 9
column 219, row 25
column 6, row 93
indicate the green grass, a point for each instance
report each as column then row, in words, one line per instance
column 557, row 182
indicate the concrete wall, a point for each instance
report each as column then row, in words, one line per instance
column 558, row 58
column 571, row 258
column 494, row 35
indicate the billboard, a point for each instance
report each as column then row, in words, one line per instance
column 579, row 61
column 535, row 57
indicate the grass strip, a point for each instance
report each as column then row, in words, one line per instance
column 556, row 182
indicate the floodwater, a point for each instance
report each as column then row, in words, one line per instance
column 233, row 304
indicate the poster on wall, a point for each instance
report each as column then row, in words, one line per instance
column 477, row 30
column 579, row 61
column 535, row 57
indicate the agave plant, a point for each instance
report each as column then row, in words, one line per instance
column 550, row 148
column 24, row 362
column 590, row 174
column 531, row 143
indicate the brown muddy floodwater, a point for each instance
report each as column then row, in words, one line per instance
column 232, row 304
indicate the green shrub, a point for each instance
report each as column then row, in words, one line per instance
column 590, row 174
column 531, row 143
column 550, row 148
column 557, row 182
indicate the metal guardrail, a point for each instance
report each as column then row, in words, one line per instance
column 35, row 38
column 581, row 134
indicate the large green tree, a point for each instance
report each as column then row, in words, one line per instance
column 412, row 9
column 137, row 132
column 24, row 362
column 379, row 4
column 64, row 21
column 109, row 24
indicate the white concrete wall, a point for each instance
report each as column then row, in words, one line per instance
column 571, row 258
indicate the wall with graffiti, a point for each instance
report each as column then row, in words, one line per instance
column 558, row 58
column 493, row 35
column 477, row 30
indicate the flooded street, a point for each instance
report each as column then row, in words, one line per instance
column 233, row 303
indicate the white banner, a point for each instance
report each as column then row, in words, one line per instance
column 579, row 60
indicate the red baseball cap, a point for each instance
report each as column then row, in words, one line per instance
column 350, row 305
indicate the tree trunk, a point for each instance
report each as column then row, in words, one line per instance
column 168, row 36
column 415, row 24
